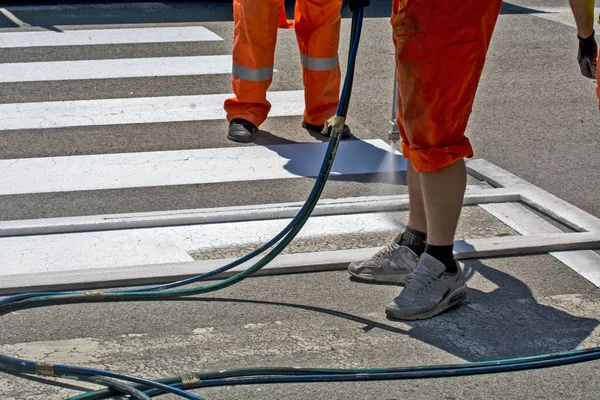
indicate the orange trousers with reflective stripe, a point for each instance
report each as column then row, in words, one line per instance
column 317, row 27
column 441, row 47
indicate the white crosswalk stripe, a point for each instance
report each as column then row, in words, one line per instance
column 130, row 247
column 140, row 110
column 107, row 36
column 114, row 171
column 49, row 254
column 110, row 69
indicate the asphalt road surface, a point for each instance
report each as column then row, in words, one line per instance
column 96, row 121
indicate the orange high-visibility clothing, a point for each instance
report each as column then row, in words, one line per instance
column 317, row 26
column 283, row 21
column 441, row 47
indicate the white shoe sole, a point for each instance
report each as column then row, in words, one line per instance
column 396, row 279
column 453, row 299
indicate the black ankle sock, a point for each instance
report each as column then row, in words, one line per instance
column 444, row 254
column 413, row 239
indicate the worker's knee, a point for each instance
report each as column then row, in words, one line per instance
column 439, row 61
column 435, row 158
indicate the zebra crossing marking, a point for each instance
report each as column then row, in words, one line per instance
column 108, row 36
column 111, row 69
column 181, row 167
column 139, row 110
column 122, row 248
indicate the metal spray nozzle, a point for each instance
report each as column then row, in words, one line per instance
column 394, row 134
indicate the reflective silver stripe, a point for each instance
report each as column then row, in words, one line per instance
column 251, row 74
column 319, row 64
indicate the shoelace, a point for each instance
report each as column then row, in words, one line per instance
column 421, row 278
column 388, row 249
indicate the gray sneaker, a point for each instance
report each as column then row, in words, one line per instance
column 391, row 264
column 428, row 291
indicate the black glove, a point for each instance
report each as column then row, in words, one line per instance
column 353, row 5
column 587, row 56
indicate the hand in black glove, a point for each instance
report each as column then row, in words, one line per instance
column 353, row 5
column 587, row 56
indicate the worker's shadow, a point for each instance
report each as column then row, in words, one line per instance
column 504, row 322
column 355, row 160
column 507, row 322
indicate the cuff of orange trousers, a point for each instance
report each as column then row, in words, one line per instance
column 248, row 117
column 433, row 159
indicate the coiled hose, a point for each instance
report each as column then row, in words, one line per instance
column 139, row 388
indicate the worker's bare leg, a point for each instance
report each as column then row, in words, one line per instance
column 416, row 215
column 437, row 282
column 443, row 192
column 398, row 259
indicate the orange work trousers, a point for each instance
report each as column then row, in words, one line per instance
column 317, row 26
column 441, row 47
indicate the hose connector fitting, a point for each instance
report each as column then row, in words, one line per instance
column 336, row 123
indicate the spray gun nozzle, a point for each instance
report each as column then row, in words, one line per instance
column 394, row 135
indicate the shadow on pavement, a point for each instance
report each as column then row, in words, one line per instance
column 368, row 323
column 305, row 159
column 506, row 323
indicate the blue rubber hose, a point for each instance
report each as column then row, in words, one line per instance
column 128, row 387
column 342, row 111
column 31, row 300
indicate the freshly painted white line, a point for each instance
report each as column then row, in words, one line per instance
column 110, row 69
column 568, row 214
column 474, row 194
column 61, row 274
column 51, row 253
column 120, row 248
column 161, row 273
column 58, row 114
column 19, row 280
column 107, row 36
column 585, row 262
column 129, row 170
column 519, row 245
column 217, row 236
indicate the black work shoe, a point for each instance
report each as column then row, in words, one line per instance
column 319, row 129
column 241, row 130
